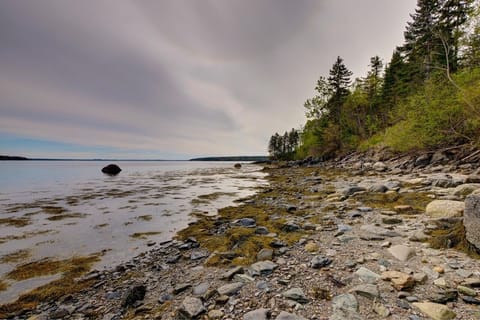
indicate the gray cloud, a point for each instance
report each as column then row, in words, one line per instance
column 180, row 76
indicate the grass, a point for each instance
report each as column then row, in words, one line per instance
column 71, row 269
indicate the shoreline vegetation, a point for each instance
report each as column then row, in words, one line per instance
column 319, row 233
column 426, row 97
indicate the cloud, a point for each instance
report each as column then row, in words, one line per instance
column 183, row 77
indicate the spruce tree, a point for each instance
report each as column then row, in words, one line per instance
column 338, row 82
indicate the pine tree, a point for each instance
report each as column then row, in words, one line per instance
column 395, row 85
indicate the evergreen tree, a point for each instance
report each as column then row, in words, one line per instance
column 423, row 46
column 338, row 82
column 453, row 17
column 395, row 85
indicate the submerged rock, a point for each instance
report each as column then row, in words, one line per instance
column 111, row 169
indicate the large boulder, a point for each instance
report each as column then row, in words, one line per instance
column 111, row 169
column 471, row 219
column 445, row 209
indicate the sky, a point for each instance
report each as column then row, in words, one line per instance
column 175, row 79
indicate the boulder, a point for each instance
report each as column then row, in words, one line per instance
column 111, row 169
column 445, row 209
column 237, row 166
column 471, row 219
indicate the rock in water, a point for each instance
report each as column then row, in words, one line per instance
column 471, row 219
column 111, row 169
column 237, row 166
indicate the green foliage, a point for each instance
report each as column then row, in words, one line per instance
column 428, row 95
column 437, row 115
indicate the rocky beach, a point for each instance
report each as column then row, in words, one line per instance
column 358, row 238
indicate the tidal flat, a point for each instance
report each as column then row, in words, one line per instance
column 102, row 221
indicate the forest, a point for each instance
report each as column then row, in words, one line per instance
column 427, row 96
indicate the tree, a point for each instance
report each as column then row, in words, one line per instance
column 422, row 45
column 317, row 106
column 338, row 83
column 395, row 84
column 453, row 16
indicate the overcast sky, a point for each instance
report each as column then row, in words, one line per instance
column 174, row 78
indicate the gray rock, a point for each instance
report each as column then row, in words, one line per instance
column 288, row 316
column 419, row 236
column 229, row 274
column 296, row 294
column 351, row 190
column 230, row 289
column 199, row 254
column 265, row 254
column 435, row 311
column 245, row 222
column 262, row 230
column 367, row 275
column 466, row 189
column 215, row 314
column 378, row 231
column 379, row 166
column 471, row 219
column 380, row 188
column 318, row 262
column 201, row 289
column 445, row 209
column 473, row 178
column 402, row 252
column 262, row 268
column 369, row 291
column 345, row 306
column 290, row 227
column 181, row 287
column 259, row 314
column 192, row 307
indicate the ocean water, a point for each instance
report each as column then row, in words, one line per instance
column 61, row 209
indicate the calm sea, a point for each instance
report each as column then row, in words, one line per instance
column 60, row 209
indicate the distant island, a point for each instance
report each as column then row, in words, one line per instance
column 233, row 158
column 12, row 158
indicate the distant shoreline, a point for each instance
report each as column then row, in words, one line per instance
column 228, row 158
